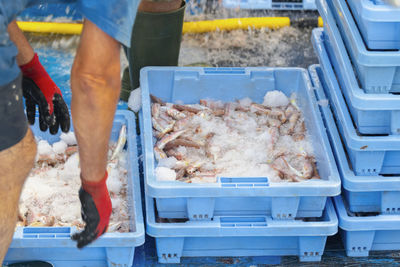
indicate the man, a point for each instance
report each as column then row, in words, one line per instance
column 156, row 39
column 95, row 83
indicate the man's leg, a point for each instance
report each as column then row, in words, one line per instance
column 15, row 165
column 17, row 145
column 159, row 6
column 156, row 38
column 17, row 154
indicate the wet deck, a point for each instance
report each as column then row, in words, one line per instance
column 334, row 255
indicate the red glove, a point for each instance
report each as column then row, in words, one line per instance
column 40, row 90
column 96, row 211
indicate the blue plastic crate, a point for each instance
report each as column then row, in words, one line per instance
column 369, row 155
column 363, row 193
column 236, row 196
column 377, row 71
column 54, row 244
column 378, row 22
column 270, row 4
column 371, row 113
column 235, row 236
column 360, row 234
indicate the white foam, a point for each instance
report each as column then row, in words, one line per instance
column 245, row 102
column 44, row 148
column 59, row 147
column 135, row 100
column 167, row 162
column 69, row 138
column 275, row 99
column 165, row 174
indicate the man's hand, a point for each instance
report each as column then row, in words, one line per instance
column 96, row 211
column 40, row 90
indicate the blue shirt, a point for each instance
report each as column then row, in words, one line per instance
column 114, row 17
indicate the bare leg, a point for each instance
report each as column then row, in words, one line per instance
column 159, row 6
column 15, row 165
column 95, row 84
column 25, row 51
column 16, row 161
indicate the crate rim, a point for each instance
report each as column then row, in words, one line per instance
column 204, row 70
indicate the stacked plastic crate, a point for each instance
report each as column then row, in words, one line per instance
column 54, row 244
column 359, row 55
column 271, row 4
column 237, row 216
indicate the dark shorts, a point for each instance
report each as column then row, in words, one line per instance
column 13, row 123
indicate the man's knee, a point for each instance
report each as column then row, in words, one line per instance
column 159, row 6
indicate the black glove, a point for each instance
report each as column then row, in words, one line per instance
column 96, row 211
column 34, row 97
column 40, row 90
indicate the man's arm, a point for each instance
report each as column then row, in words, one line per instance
column 25, row 51
column 95, row 84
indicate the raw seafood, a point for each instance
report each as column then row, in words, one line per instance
column 50, row 194
column 233, row 139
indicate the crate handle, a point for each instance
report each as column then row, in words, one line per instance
column 47, row 232
column 243, row 222
column 224, row 70
column 240, row 182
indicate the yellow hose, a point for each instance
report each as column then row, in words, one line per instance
column 188, row 27
column 234, row 24
column 320, row 22
column 50, row 27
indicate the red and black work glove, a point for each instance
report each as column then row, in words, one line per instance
column 96, row 211
column 40, row 90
